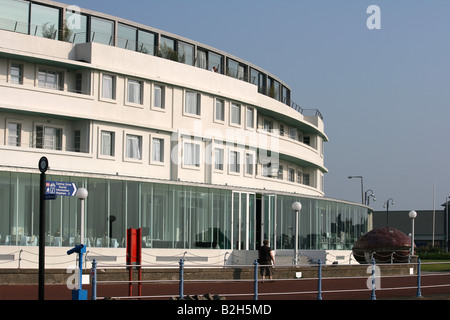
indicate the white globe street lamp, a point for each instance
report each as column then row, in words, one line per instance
column 82, row 194
column 412, row 214
column 296, row 206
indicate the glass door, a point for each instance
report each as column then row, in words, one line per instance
column 243, row 220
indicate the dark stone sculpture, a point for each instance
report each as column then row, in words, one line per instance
column 385, row 245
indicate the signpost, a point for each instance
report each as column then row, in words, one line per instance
column 48, row 191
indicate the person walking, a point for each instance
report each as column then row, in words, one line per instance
column 266, row 259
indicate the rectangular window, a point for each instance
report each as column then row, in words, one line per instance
column 159, row 96
column 107, row 143
column 293, row 133
column 109, row 87
column 192, row 103
column 16, row 73
column 77, row 141
column 134, row 147
column 50, row 79
column 135, row 91
column 268, row 125
column 218, row 159
column 306, row 179
column 299, row 176
column 14, row 133
column 158, row 150
column 44, row 21
column 235, row 113
column 249, row 163
column 220, row 110
column 307, row 140
column 280, row 172
column 281, row 129
column 250, row 117
column 291, row 175
column 48, row 138
column 234, row 162
column 191, row 154
column 146, row 42
column 186, row 53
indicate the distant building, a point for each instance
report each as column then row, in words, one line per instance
column 424, row 233
column 203, row 150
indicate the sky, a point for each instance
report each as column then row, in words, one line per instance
column 383, row 92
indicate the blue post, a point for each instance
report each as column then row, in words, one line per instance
column 181, row 278
column 79, row 294
column 94, row 280
column 372, row 296
column 256, row 280
column 418, row 294
column 319, row 284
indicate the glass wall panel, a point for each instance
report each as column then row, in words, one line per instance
column 186, row 53
column 215, row 60
column 146, row 42
column 126, row 37
column 102, row 31
column 77, row 26
column 14, row 15
column 44, row 21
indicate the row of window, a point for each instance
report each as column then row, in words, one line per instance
column 46, row 21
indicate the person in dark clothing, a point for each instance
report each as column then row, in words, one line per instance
column 265, row 259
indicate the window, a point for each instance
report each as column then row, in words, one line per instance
column 14, row 133
column 280, row 172
column 192, row 103
column 299, row 177
column 291, row 175
column 50, row 79
column 235, row 113
column 77, row 141
column 146, row 42
column 191, row 154
column 186, row 53
column 134, row 147
column 293, row 133
column 108, row 87
column 158, row 150
column 16, row 73
column 159, row 96
column 220, row 110
column 107, row 143
column 306, row 179
column 234, row 161
column 268, row 125
column 307, row 140
column 48, row 138
column 218, row 159
column 249, row 163
column 45, row 21
column 281, row 129
column 134, row 91
column 250, row 117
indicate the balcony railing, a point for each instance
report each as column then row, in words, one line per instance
column 65, row 34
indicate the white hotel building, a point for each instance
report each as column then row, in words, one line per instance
column 207, row 162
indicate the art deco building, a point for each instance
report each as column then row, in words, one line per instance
column 204, row 151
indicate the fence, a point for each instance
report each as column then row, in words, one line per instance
column 337, row 287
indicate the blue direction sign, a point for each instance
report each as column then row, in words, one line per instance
column 58, row 188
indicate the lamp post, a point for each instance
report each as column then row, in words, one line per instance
column 296, row 206
column 412, row 214
column 446, row 223
column 43, row 167
column 82, row 194
column 367, row 196
column 362, row 186
column 386, row 205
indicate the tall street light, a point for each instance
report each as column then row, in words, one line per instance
column 412, row 214
column 386, row 205
column 296, row 206
column 362, row 187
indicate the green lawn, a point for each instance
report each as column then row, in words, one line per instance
column 435, row 265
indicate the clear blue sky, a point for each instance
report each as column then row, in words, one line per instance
column 384, row 94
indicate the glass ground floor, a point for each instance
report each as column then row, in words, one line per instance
column 174, row 215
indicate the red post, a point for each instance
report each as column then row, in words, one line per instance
column 134, row 248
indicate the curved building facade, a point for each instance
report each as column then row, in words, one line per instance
column 199, row 148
